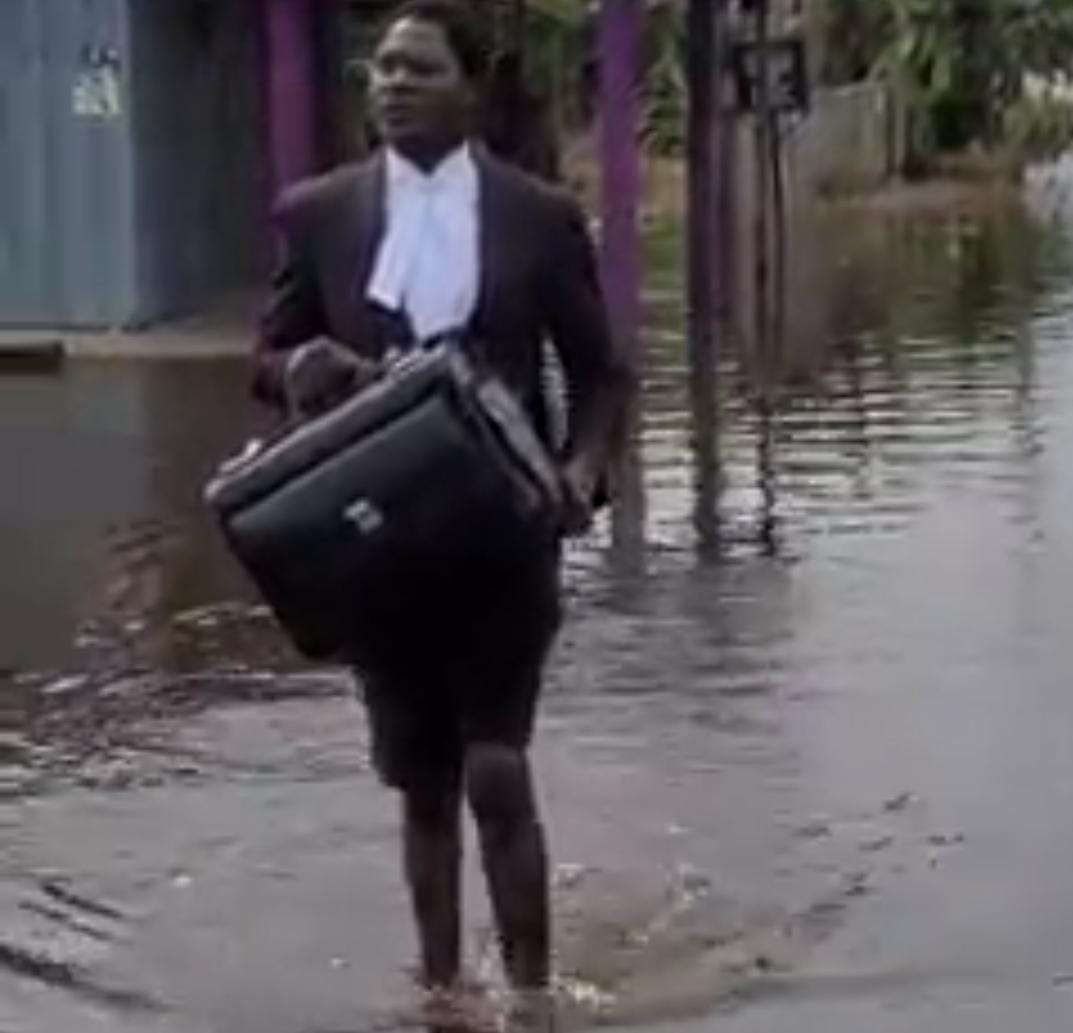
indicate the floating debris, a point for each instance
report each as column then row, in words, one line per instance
column 58, row 890
column 899, row 802
column 874, row 846
column 568, row 876
column 940, row 839
column 818, row 828
column 63, row 685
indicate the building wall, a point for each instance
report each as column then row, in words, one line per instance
column 131, row 157
column 200, row 173
column 65, row 165
column 846, row 144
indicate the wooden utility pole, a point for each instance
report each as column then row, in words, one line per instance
column 704, row 253
column 762, row 125
column 766, row 153
column 619, row 47
column 726, row 183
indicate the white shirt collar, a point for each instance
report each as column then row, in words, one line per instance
column 457, row 172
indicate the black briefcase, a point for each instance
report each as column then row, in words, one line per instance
column 366, row 519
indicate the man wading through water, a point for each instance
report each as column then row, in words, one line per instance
column 429, row 236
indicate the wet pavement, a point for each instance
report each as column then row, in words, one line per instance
column 823, row 786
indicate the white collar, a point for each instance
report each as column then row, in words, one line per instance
column 457, row 171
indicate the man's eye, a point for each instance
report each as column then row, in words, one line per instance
column 418, row 69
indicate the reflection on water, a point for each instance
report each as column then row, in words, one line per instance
column 922, row 381
column 914, row 349
column 913, row 335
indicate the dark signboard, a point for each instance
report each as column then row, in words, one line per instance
column 787, row 76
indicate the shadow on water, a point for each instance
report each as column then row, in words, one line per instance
column 910, row 365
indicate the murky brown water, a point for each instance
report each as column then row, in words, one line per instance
column 825, row 786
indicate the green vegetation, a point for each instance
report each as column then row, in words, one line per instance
column 983, row 72
column 561, row 42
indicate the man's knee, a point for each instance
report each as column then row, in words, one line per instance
column 431, row 807
column 498, row 783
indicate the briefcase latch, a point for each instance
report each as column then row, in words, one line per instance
column 364, row 515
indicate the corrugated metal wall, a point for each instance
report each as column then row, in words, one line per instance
column 132, row 178
column 66, row 215
column 201, row 180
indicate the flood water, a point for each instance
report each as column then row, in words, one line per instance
column 823, row 785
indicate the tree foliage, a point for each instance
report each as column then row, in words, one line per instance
column 562, row 34
column 961, row 64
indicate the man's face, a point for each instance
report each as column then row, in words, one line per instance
column 421, row 97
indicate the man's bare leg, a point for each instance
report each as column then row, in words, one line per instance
column 499, row 787
column 432, row 854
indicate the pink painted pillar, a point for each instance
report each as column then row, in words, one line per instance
column 619, row 47
column 620, row 30
column 291, row 89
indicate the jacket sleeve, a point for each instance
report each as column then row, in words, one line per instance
column 294, row 312
column 599, row 380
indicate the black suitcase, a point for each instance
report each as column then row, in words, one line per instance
column 364, row 520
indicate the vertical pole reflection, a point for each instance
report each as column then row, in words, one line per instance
column 1026, row 426
column 704, row 240
column 766, row 475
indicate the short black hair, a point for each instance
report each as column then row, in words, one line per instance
column 460, row 25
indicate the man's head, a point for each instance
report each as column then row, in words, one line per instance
column 426, row 77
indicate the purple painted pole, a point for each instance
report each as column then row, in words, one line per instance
column 619, row 34
column 619, row 44
column 291, row 89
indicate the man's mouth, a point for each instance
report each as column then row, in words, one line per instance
column 400, row 111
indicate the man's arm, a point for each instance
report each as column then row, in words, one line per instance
column 599, row 379
column 294, row 313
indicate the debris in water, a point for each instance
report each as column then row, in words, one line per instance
column 873, row 846
column 61, row 686
column 818, row 828
column 898, row 803
column 568, row 876
column 856, row 884
column 692, row 880
column 939, row 839
column 587, row 995
column 58, row 890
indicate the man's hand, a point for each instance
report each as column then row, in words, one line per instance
column 579, row 478
column 321, row 374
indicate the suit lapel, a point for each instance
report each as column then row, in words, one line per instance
column 490, row 240
column 371, row 220
column 355, row 227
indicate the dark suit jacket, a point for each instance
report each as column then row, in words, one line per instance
column 538, row 279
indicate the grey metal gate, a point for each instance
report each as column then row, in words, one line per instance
column 65, row 195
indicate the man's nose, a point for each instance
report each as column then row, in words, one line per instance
column 396, row 79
